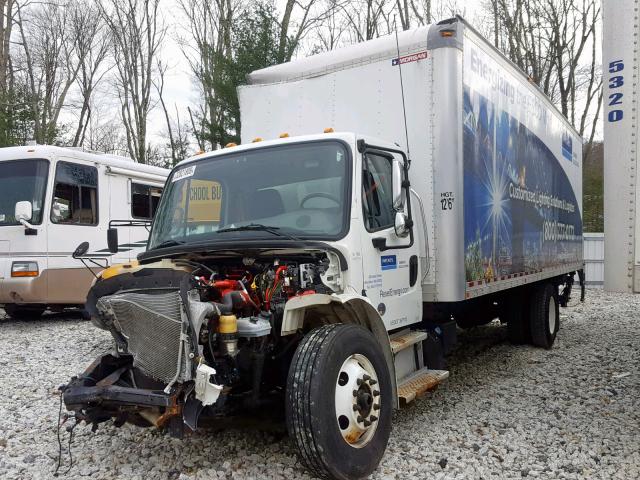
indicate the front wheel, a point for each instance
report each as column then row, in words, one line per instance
column 339, row 401
column 23, row 312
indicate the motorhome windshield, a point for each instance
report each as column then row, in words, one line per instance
column 293, row 191
column 22, row 180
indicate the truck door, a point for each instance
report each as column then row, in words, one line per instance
column 390, row 261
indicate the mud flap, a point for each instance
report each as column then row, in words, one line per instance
column 191, row 412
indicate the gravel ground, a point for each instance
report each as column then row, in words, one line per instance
column 505, row 412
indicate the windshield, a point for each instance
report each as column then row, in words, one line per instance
column 297, row 191
column 22, row 180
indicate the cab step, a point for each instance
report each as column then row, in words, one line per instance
column 405, row 339
column 420, row 382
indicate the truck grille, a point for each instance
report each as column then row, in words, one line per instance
column 152, row 324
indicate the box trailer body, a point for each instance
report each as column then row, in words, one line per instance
column 73, row 196
column 621, row 192
column 497, row 167
column 322, row 275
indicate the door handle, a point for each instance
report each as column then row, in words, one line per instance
column 413, row 270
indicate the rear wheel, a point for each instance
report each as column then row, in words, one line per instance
column 23, row 312
column 545, row 315
column 339, row 402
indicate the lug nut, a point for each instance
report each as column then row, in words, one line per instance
column 376, row 406
column 367, row 423
column 355, row 408
column 366, row 377
column 359, row 381
column 376, row 393
column 360, row 419
column 372, row 382
column 355, row 393
column 373, row 418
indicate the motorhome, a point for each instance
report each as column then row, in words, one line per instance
column 51, row 198
column 321, row 276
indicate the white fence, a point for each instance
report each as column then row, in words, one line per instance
column 594, row 259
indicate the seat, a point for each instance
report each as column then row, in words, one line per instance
column 266, row 203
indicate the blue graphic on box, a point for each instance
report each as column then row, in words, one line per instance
column 567, row 150
column 388, row 262
column 520, row 211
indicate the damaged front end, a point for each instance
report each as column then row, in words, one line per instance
column 191, row 341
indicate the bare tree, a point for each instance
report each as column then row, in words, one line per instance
column 92, row 43
column 209, row 38
column 137, row 33
column 48, row 62
column 7, row 10
column 104, row 132
column 177, row 135
column 555, row 43
column 298, row 19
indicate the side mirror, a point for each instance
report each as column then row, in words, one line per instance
column 80, row 250
column 401, row 225
column 112, row 240
column 396, row 185
column 23, row 211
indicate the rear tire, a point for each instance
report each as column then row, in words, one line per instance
column 21, row 312
column 516, row 315
column 545, row 315
column 339, row 402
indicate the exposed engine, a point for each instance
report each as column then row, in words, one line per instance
column 198, row 334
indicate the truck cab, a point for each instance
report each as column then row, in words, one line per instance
column 270, row 248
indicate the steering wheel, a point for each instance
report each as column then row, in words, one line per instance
column 319, row 195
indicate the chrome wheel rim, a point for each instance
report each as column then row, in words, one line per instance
column 357, row 400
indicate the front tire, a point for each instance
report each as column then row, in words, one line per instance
column 20, row 312
column 545, row 315
column 339, row 401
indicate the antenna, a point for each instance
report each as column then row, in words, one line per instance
column 404, row 108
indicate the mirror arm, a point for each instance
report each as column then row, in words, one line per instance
column 88, row 267
column 27, row 224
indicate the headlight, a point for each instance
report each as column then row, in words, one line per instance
column 24, row 269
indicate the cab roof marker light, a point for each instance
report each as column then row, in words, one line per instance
column 328, row 130
column 284, row 135
column 257, row 139
column 230, row 144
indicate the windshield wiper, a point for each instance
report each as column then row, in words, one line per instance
column 169, row 243
column 258, row 227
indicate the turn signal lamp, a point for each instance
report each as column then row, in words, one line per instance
column 199, row 152
column 257, row 139
column 24, row 269
column 284, row 135
column 447, row 33
column 230, row 144
column 328, row 130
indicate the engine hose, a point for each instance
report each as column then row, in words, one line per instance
column 229, row 301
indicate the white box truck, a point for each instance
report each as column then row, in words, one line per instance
column 322, row 275
column 50, row 197
column 621, row 28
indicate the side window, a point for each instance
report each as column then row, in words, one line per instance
column 144, row 200
column 377, row 200
column 75, row 194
